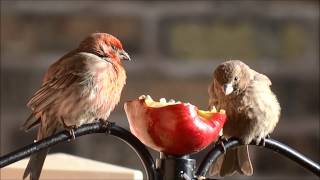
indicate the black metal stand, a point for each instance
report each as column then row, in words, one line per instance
column 166, row 167
column 176, row 168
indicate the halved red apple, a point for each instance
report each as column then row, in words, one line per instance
column 174, row 128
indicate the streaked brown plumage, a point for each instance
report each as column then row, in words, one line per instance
column 83, row 86
column 252, row 110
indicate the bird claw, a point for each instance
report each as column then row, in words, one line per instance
column 262, row 141
column 71, row 132
column 70, row 129
column 106, row 125
column 268, row 136
column 221, row 141
column 102, row 121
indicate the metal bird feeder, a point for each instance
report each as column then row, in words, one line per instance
column 165, row 167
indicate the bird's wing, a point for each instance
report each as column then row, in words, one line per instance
column 64, row 74
column 50, row 91
column 212, row 94
column 261, row 78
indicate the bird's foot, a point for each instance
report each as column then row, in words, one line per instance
column 106, row 125
column 70, row 129
column 263, row 140
column 260, row 141
column 221, row 142
column 102, row 121
column 71, row 132
column 268, row 136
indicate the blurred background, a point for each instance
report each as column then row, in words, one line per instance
column 175, row 45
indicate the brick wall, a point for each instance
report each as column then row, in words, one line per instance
column 175, row 46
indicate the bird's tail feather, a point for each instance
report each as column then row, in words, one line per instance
column 215, row 168
column 35, row 164
column 36, row 161
column 30, row 123
column 244, row 162
column 235, row 160
column 229, row 164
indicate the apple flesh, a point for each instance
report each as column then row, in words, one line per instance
column 174, row 128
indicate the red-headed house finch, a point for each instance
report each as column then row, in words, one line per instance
column 81, row 87
column 252, row 111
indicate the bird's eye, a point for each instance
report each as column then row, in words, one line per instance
column 113, row 47
column 100, row 55
column 236, row 78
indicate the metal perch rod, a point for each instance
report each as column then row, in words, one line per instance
column 108, row 128
column 143, row 153
column 271, row 144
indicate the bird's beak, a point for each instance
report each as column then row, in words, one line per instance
column 227, row 88
column 124, row 56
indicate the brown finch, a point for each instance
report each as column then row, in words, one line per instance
column 81, row 87
column 252, row 111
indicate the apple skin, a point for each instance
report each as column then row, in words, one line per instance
column 175, row 129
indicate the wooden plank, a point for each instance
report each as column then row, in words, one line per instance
column 65, row 166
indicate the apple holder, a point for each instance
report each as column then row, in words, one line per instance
column 166, row 167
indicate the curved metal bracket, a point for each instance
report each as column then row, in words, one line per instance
column 274, row 145
column 143, row 153
column 138, row 147
column 107, row 127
